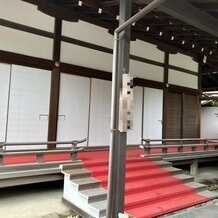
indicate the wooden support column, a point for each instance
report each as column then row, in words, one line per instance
column 55, row 84
column 200, row 66
column 165, row 95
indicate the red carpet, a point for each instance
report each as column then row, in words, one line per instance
column 150, row 190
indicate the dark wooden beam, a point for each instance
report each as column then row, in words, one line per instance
column 24, row 60
column 207, row 6
column 55, row 85
column 165, row 95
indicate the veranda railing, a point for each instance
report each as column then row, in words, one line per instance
column 40, row 153
column 179, row 145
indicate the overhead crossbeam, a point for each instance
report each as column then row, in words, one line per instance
column 190, row 14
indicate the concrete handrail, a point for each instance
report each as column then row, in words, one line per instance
column 146, row 144
column 40, row 153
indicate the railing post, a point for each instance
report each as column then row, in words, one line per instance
column 1, row 153
column 148, row 146
column 206, row 145
column 73, row 155
column 40, row 158
column 194, row 168
column 164, row 150
column 180, row 148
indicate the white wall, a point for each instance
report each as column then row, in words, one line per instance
column 88, row 32
column 29, row 104
column 26, row 14
column 183, row 79
column 21, row 42
column 25, row 43
column 183, row 61
column 100, row 111
column 209, row 122
column 146, row 50
column 146, row 71
column 4, row 90
column 73, row 108
column 85, row 57
column 153, row 112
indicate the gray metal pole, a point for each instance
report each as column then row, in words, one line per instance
column 117, row 155
column 114, row 131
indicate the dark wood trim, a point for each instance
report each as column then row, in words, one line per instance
column 145, row 60
column 24, row 60
column 57, row 40
column 166, row 67
column 24, row 28
column 55, row 85
column 185, row 90
column 53, row 107
column 84, row 71
column 198, row 117
column 165, row 95
column 148, row 83
column 143, row 106
column 183, row 70
column 200, row 69
column 182, row 113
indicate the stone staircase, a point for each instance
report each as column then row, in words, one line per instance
column 152, row 188
column 82, row 191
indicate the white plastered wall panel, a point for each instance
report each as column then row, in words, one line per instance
column 25, row 43
column 209, row 122
column 100, row 112
column 146, row 50
column 88, row 32
column 27, row 14
column 153, row 112
column 4, row 89
column 183, row 79
column 133, row 137
column 183, row 61
column 73, row 108
column 85, row 57
column 28, row 105
column 146, row 71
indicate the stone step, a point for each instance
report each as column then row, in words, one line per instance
column 209, row 194
column 71, row 166
column 163, row 163
column 173, row 170
column 78, row 173
column 86, row 183
column 94, row 195
column 99, row 207
column 185, row 178
column 197, row 186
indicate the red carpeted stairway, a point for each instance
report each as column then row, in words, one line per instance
column 153, row 187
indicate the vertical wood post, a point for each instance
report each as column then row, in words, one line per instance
column 55, row 84
column 200, row 65
column 165, row 95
